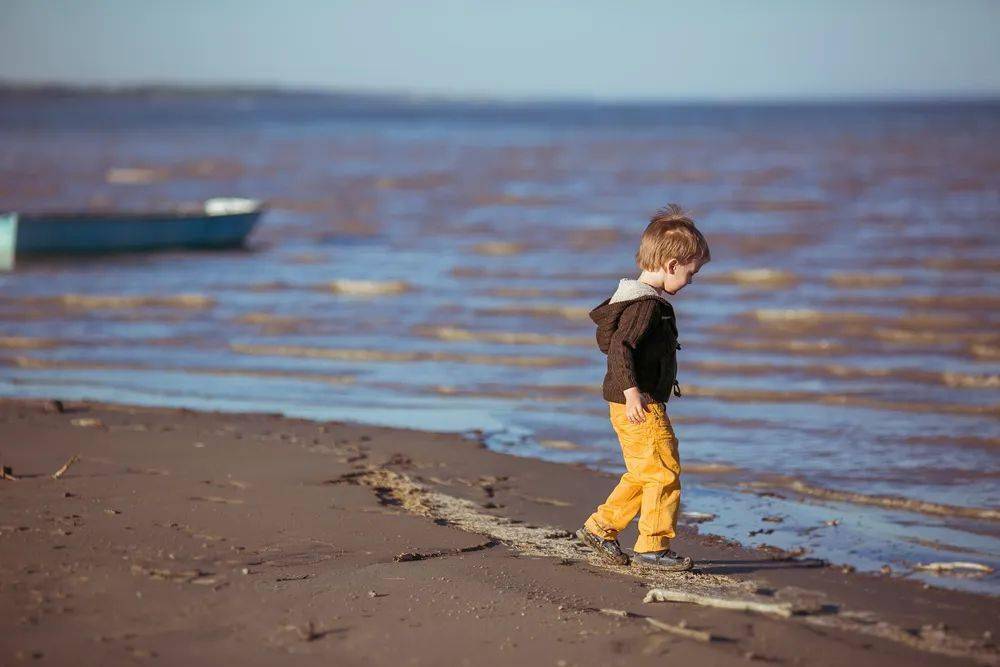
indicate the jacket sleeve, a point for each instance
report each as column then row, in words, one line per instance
column 635, row 321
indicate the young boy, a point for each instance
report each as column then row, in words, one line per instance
column 637, row 330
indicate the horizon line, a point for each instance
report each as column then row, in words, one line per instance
column 404, row 96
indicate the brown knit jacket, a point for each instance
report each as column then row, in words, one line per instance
column 637, row 329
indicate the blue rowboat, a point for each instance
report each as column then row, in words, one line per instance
column 217, row 223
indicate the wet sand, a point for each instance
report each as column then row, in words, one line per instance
column 210, row 538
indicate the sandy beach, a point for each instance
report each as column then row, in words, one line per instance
column 181, row 537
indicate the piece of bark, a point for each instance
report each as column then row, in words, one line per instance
column 62, row 471
column 409, row 556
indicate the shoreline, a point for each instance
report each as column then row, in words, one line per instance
column 774, row 511
column 270, row 535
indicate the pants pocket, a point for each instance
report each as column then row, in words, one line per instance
column 663, row 441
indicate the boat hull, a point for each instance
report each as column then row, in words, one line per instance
column 41, row 234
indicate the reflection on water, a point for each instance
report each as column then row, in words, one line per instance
column 433, row 266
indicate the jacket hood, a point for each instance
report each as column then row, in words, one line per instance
column 608, row 313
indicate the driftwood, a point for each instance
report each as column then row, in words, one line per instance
column 681, row 629
column 957, row 565
column 6, row 472
column 217, row 499
column 783, row 609
column 62, row 471
column 408, row 556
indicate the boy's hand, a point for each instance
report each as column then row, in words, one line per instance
column 635, row 407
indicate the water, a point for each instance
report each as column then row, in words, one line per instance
column 840, row 350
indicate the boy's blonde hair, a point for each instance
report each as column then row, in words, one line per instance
column 671, row 233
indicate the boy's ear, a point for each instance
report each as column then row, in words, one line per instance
column 671, row 266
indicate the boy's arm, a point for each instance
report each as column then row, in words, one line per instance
column 635, row 321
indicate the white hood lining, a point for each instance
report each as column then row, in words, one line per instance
column 630, row 288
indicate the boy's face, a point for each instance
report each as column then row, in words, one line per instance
column 676, row 275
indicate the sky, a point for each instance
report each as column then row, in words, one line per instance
column 520, row 49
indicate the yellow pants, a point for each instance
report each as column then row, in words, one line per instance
column 651, row 484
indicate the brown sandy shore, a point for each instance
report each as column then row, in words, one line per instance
column 205, row 538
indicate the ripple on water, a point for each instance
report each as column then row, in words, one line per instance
column 466, row 240
column 353, row 354
column 754, row 278
column 368, row 287
column 28, row 343
column 845, row 372
column 892, row 502
column 121, row 302
column 504, row 337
